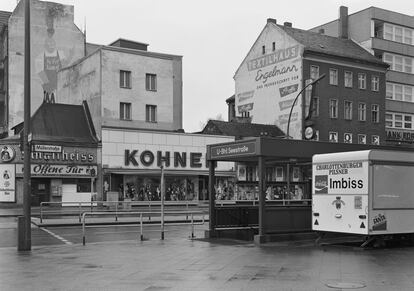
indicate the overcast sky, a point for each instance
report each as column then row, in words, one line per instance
column 213, row 36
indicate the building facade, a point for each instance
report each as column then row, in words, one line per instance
column 126, row 86
column 345, row 106
column 65, row 158
column 389, row 36
column 56, row 42
column 132, row 160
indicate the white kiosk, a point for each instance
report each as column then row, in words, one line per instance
column 363, row 192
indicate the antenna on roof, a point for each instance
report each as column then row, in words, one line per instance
column 84, row 36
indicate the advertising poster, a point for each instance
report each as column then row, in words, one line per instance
column 269, row 79
column 350, row 177
column 7, row 183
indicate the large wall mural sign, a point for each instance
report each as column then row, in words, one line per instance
column 55, row 43
column 267, row 84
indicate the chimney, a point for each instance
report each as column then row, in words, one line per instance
column 287, row 24
column 271, row 20
column 321, row 31
column 343, row 22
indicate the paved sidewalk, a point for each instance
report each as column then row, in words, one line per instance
column 182, row 264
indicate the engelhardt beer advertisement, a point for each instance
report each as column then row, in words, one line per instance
column 350, row 177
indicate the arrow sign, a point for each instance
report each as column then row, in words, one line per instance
column 316, row 222
column 362, row 225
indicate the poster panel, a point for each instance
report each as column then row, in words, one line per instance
column 7, row 183
column 349, row 177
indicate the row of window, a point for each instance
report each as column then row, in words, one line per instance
column 398, row 120
column 125, row 112
column 348, row 78
column 399, row 63
column 348, row 138
column 348, row 110
column 400, row 92
column 125, row 80
column 398, row 33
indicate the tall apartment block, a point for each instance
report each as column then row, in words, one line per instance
column 389, row 36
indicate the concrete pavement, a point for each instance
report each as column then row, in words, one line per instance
column 183, row 264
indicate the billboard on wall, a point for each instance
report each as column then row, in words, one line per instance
column 56, row 42
column 269, row 80
column 7, row 183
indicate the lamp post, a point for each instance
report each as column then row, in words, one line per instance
column 24, row 232
column 296, row 98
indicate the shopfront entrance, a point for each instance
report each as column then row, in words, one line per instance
column 40, row 191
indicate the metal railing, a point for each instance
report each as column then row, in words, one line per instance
column 113, row 206
column 284, row 202
column 141, row 215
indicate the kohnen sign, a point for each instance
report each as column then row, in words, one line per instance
column 147, row 158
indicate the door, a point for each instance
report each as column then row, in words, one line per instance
column 40, row 191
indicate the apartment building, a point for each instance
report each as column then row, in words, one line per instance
column 389, row 36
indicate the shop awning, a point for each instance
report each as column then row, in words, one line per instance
column 168, row 172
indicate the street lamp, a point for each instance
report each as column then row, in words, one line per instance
column 296, row 98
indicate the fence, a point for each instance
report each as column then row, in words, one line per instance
column 141, row 214
column 77, row 208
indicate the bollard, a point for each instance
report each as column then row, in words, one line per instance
column 41, row 213
column 80, row 212
column 116, row 211
column 140, row 221
column 83, row 229
column 192, row 226
column 186, row 215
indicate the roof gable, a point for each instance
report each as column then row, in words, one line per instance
column 270, row 28
column 63, row 122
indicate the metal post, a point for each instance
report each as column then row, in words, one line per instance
column 212, row 196
column 162, row 201
column 80, row 212
column 116, row 211
column 41, row 213
column 83, row 230
column 192, row 226
column 262, row 209
column 142, row 225
column 25, row 235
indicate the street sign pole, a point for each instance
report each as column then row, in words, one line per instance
column 24, row 223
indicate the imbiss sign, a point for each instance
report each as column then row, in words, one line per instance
column 149, row 158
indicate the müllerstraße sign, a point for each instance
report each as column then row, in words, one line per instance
column 233, row 150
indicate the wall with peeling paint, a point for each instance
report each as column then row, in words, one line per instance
column 56, row 42
column 82, row 81
column 96, row 80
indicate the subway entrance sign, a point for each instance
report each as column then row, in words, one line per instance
column 233, row 150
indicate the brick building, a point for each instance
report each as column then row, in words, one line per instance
column 389, row 36
column 348, row 105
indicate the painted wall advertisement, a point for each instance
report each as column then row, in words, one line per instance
column 350, row 177
column 7, row 183
column 268, row 81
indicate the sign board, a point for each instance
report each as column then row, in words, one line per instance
column 47, row 170
column 233, row 150
column 47, row 148
column 350, row 177
column 7, row 183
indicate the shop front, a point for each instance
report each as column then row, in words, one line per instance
column 133, row 170
column 58, row 174
column 273, row 185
